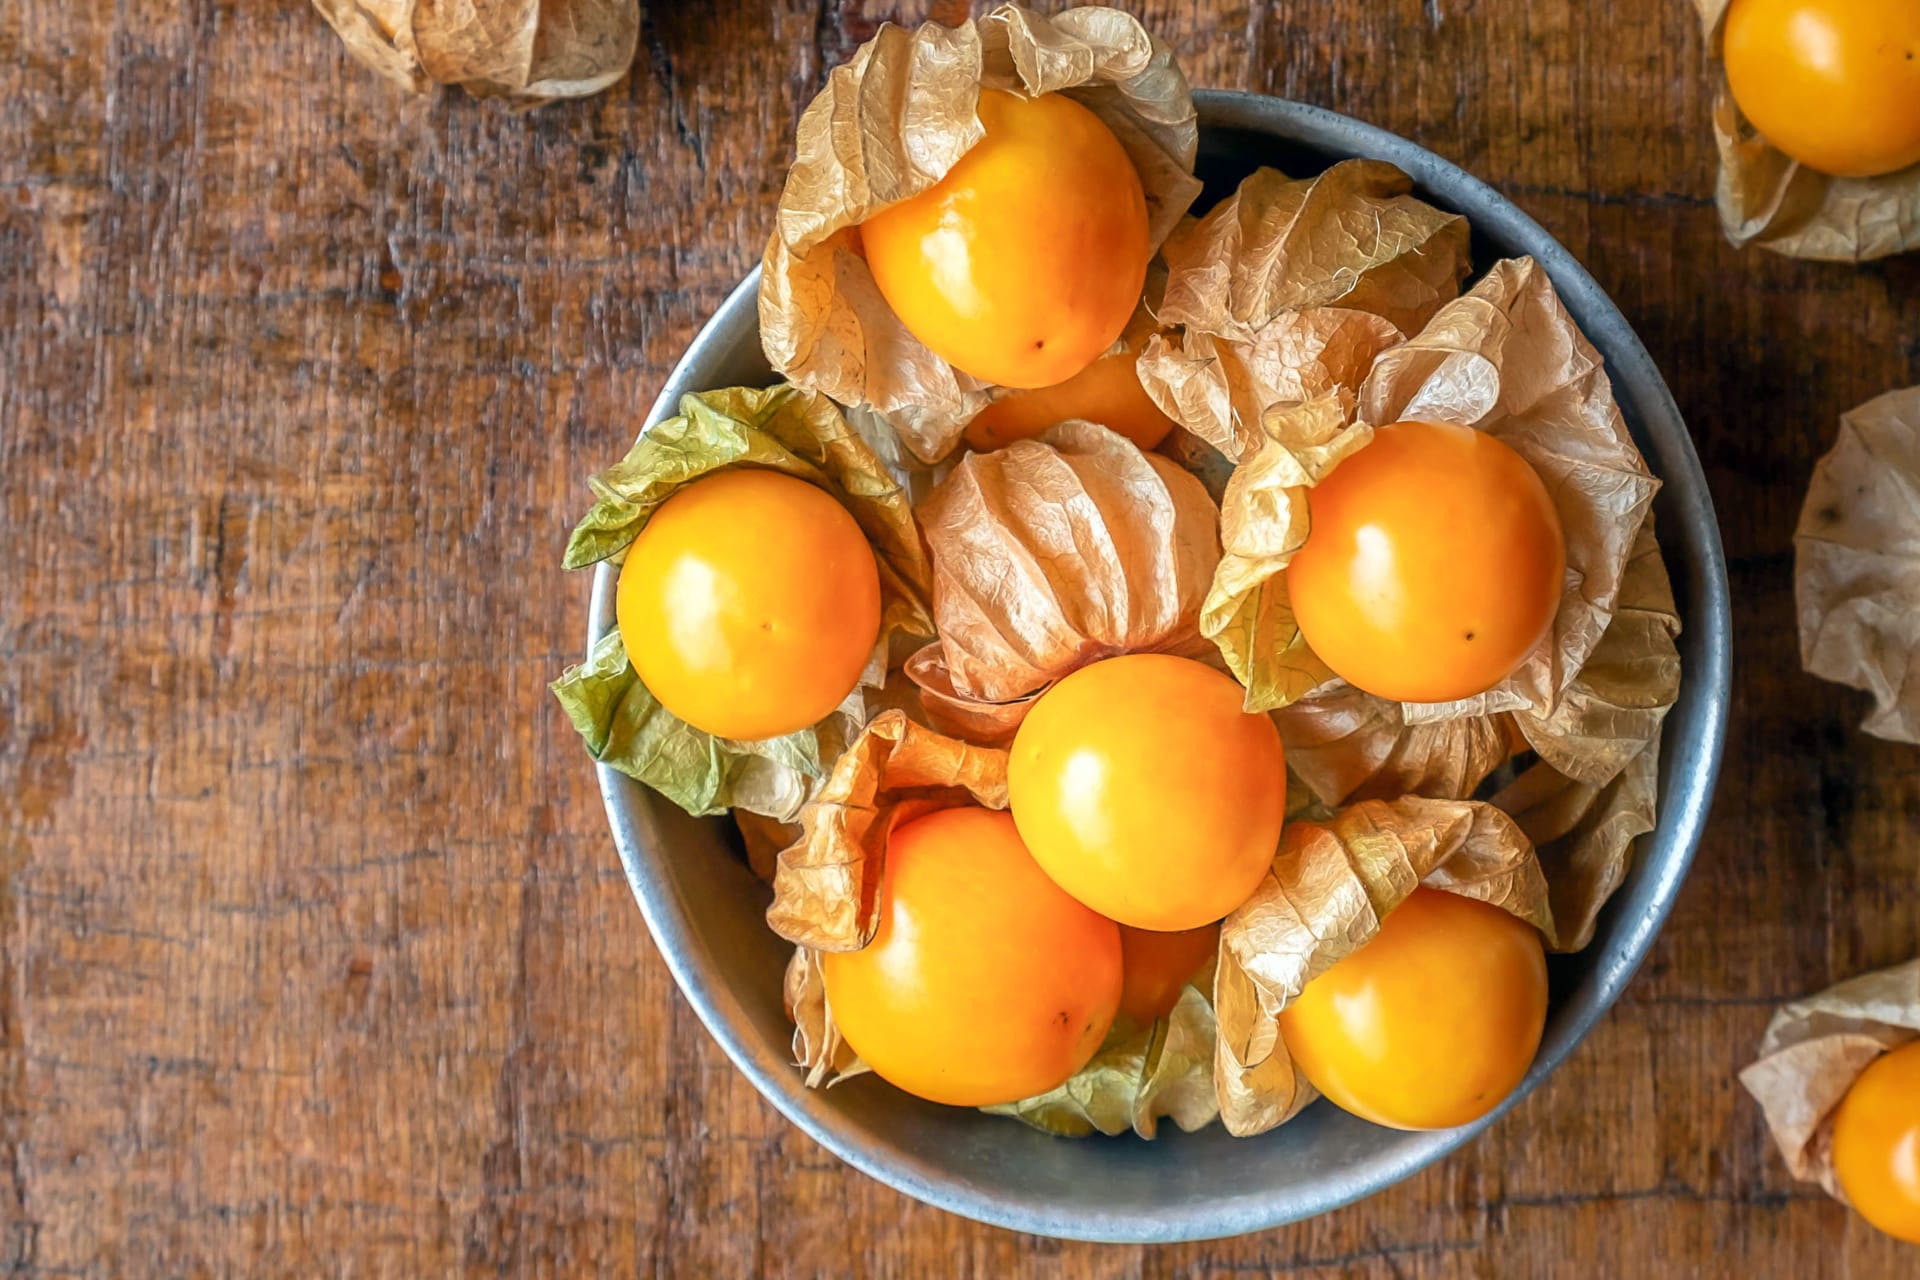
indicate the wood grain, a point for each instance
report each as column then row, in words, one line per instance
column 314, row 954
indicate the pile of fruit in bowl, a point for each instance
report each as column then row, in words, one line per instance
column 1167, row 665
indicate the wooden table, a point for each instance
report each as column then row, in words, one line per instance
column 316, row 955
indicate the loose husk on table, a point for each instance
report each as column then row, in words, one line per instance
column 1856, row 569
column 1768, row 198
column 527, row 51
column 1813, row 1051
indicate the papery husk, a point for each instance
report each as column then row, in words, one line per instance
column 978, row 720
column 1856, row 572
column 1350, row 237
column 1584, row 835
column 1221, row 389
column 1289, row 289
column 890, row 124
column 826, row 886
column 1813, row 1051
column 1618, row 700
column 1593, row 792
column 1323, row 899
column 1331, row 883
column 1263, row 522
column 1140, row 1075
column 528, row 51
column 1255, row 1081
column 1768, row 198
column 1507, row 359
column 1052, row 553
column 817, row 1043
column 1348, row 745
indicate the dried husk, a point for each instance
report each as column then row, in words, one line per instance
column 624, row 726
column 1584, row 835
column 1255, row 1081
column 780, row 428
column 528, row 51
column 817, row 1043
column 1140, row 1075
column 1813, row 1051
column 1351, row 237
column 890, row 124
column 1348, row 745
column 1330, row 885
column 1593, row 792
column 1769, row 199
column 978, row 720
column 1618, row 700
column 1263, row 521
column 1856, row 575
column 1506, row 359
column 1052, row 553
column 826, row 886
column 1289, row 288
column 1221, row 389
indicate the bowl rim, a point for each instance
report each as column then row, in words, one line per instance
column 1685, row 799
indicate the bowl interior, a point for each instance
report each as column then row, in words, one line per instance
column 705, row 908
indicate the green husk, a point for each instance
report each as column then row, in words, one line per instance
column 1140, row 1075
column 782, row 428
column 625, row 726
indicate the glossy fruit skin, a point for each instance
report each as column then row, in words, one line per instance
column 1155, row 966
column 1833, row 83
column 1146, row 792
column 1027, row 259
column 1876, row 1143
column 750, row 604
column 1108, row 392
column 1432, row 1023
column 1433, row 565
column 985, row 983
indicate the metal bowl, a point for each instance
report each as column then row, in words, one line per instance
column 704, row 907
